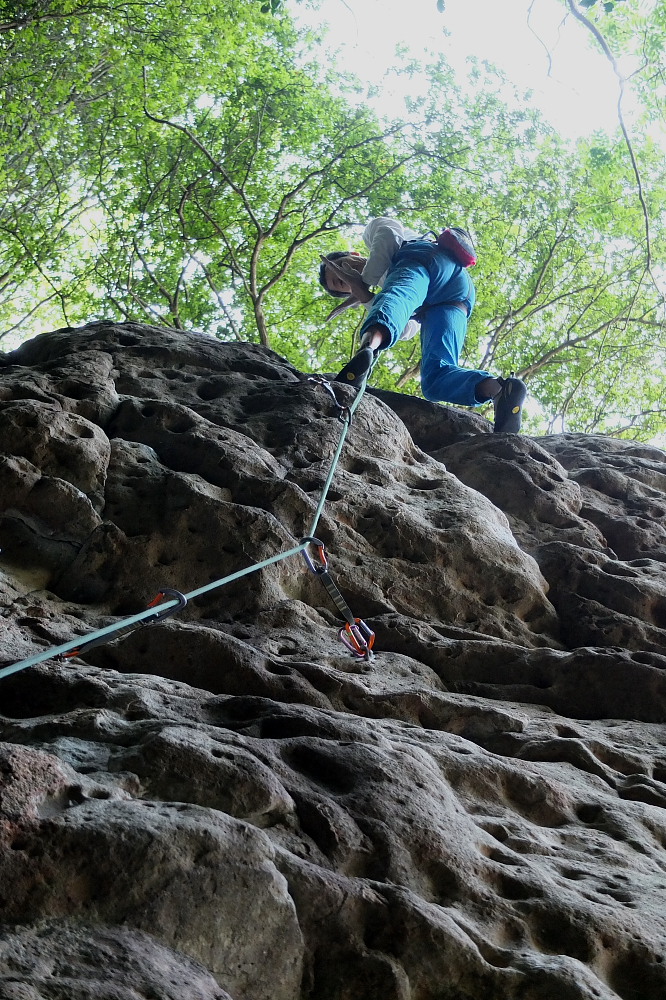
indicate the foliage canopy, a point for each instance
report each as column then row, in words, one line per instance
column 186, row 163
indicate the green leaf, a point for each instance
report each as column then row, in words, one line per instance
column 216, row 221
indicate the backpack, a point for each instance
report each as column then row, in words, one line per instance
column 459, row 244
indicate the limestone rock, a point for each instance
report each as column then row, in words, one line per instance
column 60, row 959
column 230, row 804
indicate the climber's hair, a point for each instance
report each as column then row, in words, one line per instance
column 335, row 255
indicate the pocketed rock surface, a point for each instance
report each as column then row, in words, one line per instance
column 229, row 804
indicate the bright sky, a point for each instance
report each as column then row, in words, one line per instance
column 577, row 93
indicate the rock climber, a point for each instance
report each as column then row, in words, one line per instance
column 419, row 282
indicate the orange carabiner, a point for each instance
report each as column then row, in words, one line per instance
column 358, row 638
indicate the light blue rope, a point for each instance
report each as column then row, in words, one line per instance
column 149, row 613
column 338, row 452
column 66, row 647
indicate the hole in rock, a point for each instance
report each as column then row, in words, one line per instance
column 497, row 831
column 566, row 732
column 633, row 977
column 589, row 813
column 513, row 888
column 649, row 659
column 125, row 340
column 181, row 426
column 574, row 874
column 427, row 484
column 315, row 823
column 280, row 727
column 288, row 650
column 533, row 615
column 502, row 858
column 560, row 933
column 620, row 895
column 75, row 390
column 278, row 668
column 209, row 390
column 445, row 883
column 659, row 614
column 75, row 795
column 323, row 768
column 619, row 569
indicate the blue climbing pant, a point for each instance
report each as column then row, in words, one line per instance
column 425, row 280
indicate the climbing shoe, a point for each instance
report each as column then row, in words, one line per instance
column 359, row 366
column 509, row 405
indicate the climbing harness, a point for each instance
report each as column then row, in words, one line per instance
column 355, row 635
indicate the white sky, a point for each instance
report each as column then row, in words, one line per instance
column 578, row 97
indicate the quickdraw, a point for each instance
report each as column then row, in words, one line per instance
column 343, row 412
column 355, row 635
column 359, row 638
column 122, row 633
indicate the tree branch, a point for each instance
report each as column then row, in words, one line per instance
column 605, row 48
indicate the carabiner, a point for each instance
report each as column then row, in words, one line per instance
column 358, row 638
column 122, row 633
column 343, row 411
column 159, row 616
column 321, row 552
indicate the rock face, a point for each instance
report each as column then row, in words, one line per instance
column 230, row 804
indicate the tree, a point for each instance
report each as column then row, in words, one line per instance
column 70, row 74
column 189, row 171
